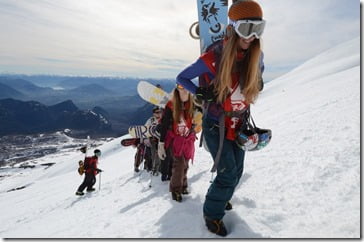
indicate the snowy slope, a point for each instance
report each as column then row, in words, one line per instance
column 305, row 184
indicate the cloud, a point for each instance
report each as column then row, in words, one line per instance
column 299, row 30
column 151, row 39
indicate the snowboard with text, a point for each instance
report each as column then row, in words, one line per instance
column 143, row 131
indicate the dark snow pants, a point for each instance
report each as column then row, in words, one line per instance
column 179, row 175
column 88, row 182
column 156, row 162
column 229, row 171
column 166, row 164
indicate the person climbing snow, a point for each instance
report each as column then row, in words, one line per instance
column 233, row 70
column 178, row 137
column 91, row 170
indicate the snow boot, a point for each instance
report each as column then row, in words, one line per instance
column 177, row 196
column 91, row 189
column 185, row 191
column 228, row 206
column 215, row 226
column 79, row 193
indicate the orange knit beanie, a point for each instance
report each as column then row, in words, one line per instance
column 245, row 9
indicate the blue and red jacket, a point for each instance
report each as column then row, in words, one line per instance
column 206, row 66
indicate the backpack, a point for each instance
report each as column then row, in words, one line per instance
column 83, row 165
column 81, row 168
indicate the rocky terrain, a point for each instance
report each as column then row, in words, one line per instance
column 19, row 151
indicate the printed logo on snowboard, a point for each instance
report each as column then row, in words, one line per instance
column 153, row 94
column 142, row 131
column 212, row 21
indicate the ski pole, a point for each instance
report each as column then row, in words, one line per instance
column 143, row 165
column 151, row 178
column 100, row 182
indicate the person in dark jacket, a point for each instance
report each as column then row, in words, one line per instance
column 91, row 170
column 233, row 72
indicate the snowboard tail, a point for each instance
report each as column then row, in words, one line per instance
column 130, row 141
column 153, row 94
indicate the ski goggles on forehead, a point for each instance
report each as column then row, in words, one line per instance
column 180, row 87
column 248, row 28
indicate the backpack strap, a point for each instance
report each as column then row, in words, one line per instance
column 222, row 132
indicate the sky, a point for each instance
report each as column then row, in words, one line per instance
column 304, row 184
column 150, row 39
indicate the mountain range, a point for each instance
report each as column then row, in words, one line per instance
column 116, row 97
column 27, row 117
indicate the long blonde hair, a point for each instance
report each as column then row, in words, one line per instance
column 249, row 69
column 178, row 106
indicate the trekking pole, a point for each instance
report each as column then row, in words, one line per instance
column 100, row 182
column 151, row 178
column 140, row 173
column 154, row 158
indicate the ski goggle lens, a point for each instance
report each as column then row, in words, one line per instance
column 249, row 28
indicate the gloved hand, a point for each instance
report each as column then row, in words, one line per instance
column 161, row 151
column 147, row 142
column 206, row 93
column 99, row 170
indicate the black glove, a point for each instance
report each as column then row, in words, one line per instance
column 99, row 170
column 206, row 93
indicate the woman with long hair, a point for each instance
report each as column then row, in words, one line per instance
column 232, row 72
column 177, row 138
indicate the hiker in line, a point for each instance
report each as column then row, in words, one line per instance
column 140, row 156
column 178, row 136
column 91, row 170
column 152, row 142
column 234, row 69
column 147, row 149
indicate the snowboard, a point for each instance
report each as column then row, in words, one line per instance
column 130, row 141
column 153, row 94
column 143, row 131
column 83, row 149
column 212, row 21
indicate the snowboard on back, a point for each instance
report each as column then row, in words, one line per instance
column 130, row 141
column 143, row 131
column 212, row 21
column 153, row 94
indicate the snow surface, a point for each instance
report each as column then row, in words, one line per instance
column 304, row 184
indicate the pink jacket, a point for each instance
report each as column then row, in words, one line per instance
column 181, row 145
